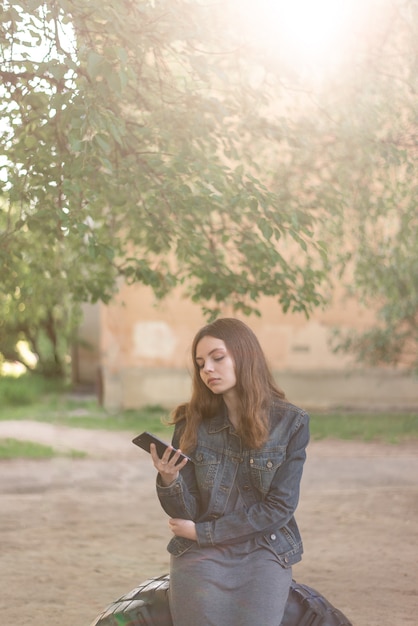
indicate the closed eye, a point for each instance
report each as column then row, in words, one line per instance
column 201, row 364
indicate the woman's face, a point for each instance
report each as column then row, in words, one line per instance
column 216, row 366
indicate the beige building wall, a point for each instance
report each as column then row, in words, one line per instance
column 145, row 347
column 85, row 356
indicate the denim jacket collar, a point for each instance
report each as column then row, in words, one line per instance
column 218, row 423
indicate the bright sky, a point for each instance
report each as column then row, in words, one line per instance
column 307, row 34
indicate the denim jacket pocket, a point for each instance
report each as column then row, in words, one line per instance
column 206, row 465
column 263, row 466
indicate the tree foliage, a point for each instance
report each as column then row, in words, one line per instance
column 124, row 127
column 145, row 140
column 378, row 184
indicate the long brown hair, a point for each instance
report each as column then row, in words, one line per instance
column 255, row 386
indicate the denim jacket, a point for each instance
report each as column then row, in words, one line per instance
column 268, row 480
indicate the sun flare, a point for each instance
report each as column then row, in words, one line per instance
column 309, row 28
column 303, row 33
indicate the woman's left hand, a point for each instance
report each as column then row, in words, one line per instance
column 183, row 528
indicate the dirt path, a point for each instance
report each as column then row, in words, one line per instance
column 76, row 534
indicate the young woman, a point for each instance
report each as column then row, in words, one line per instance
column 231, row 506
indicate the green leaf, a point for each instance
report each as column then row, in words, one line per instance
column 95, row 64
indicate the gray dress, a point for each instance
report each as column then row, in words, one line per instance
column 229, row 585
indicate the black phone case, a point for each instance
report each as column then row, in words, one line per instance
column 144, row 440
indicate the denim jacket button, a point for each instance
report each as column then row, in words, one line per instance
column 269, row 464
column 273, row 537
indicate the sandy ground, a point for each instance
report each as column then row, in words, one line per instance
column 77, row 534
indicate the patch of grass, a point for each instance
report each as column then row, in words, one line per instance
column 133, row 420
column 51, row 404
column 386, row 427
column 85, row 412
column 23, row 391
column 16, row 449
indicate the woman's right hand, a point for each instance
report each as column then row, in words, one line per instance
column 166, row 466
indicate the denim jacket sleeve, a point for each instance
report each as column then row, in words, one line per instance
column 178, row 500
column 276, row 509
column 181, row 498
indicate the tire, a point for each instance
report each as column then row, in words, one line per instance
column 146, row 605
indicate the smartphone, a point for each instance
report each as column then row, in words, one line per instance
column 144, row 440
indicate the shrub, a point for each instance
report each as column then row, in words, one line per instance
column 26, row 389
